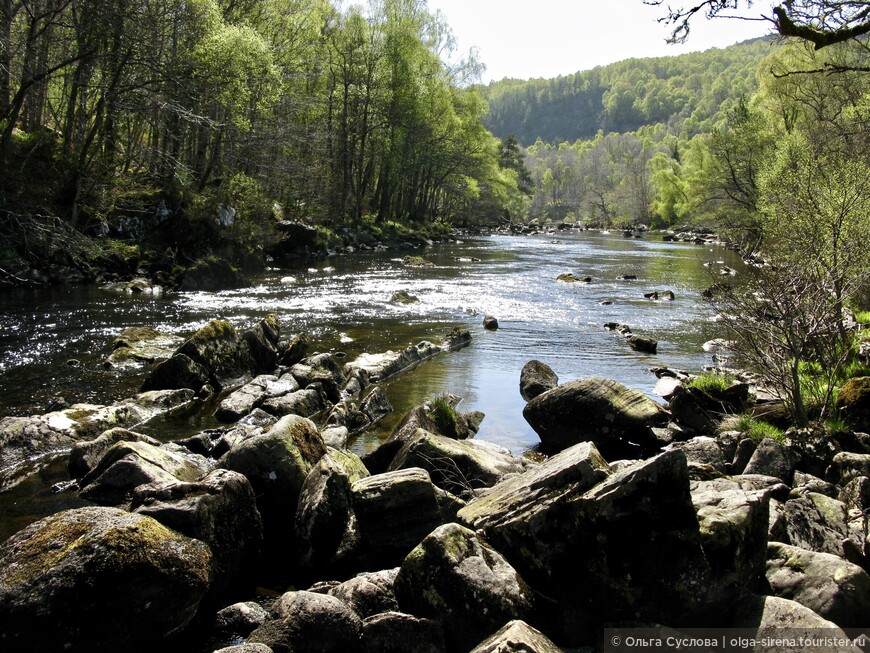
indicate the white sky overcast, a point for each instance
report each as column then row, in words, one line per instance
column 547, row 38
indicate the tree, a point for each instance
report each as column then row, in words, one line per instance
column 820, row 22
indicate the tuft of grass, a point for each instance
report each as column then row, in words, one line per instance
column 863, row 318
column 756, row 429
column 835, row 424
column 444, row 415
column 712, row 382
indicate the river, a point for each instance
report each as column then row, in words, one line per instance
column 343, row 304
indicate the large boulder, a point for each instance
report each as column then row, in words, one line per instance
column 304, row 403
column 819, row 523
column 370, row 593
column 138, row 345
column 394, row 511
column 666, row 580
column 178, row 371
column 212, row 274
column 251, row 395
column 773, row 459
column 601, row 410
column 831, row 587
column 86, row 455
column 536, row 378
column 321, row 369
column 128, row 464
column 262, row 341
column 305, row 622
column 98, row 579
column 218, row 348
column 733, row 523
column 326, row 529
column 220, row 510
column 456, row 577
column 771, row 616
column 461, row 467
column 381, row 366
column 397, row 632
column 517, row 637
column 276, row 464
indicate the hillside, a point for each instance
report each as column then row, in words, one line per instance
column 686, row 92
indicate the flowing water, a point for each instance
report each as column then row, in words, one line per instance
column 343, row 304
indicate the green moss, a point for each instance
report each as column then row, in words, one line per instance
column 417, row 262
column 45, row 549
column 214, row 330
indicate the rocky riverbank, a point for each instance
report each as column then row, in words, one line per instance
column 631, row 513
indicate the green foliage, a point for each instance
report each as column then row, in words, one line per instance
column 443, row 414
column 712, row 382
column 757, row 430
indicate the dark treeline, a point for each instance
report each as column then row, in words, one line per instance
column 294, row 108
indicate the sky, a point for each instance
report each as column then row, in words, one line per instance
column 547, row 38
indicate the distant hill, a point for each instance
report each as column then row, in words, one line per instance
column 686, row 92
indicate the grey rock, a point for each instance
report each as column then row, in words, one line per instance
column 60, row 580
column 773, row 459
column 461, row 467
column 369, row 593
column 381, row 366
column 828, row 585
column 305, row 621
column 601, row 410
column 845, row 466
column 456, row 577
column 536, row 378
column 239, row 619
column 220, row 510
column 397, row 632
column 517, row 637
column 394, row 511
column 85, row 455
column 304, row 403
column 703, row 450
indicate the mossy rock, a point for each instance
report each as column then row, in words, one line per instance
column 854, row 401
column 417, row 262
column 98, row 579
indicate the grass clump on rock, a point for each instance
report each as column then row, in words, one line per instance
column 711, row 382
column 443, row 414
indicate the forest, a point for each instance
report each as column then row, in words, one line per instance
column 279, row 109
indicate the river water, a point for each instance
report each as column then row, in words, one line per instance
column 343, row 304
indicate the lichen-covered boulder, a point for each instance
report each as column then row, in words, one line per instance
column 220, row 510
column 305, row 622
column 461, row 467
column 321, row 369
column 98, row 579
column 276, row 464
column 831, row 587
column 326, row 530
column 703, row 450
column 458, row 578
column 394, row 512
column 517, row 637
column 369, row 593
column 771, row 616
column 304, row 403
column 262, row 341
column 536, row 378
column 733, row 523
column 845, row 466
column 819, row 523
column 138, row 345
column 128, row 464
column 666, row 580
column 596, row 409
column 397, row 632
column 218, row 348
column 86, row 455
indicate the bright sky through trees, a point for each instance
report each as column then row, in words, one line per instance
column 548, row 38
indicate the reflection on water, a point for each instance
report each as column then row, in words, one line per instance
column 344, row 305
